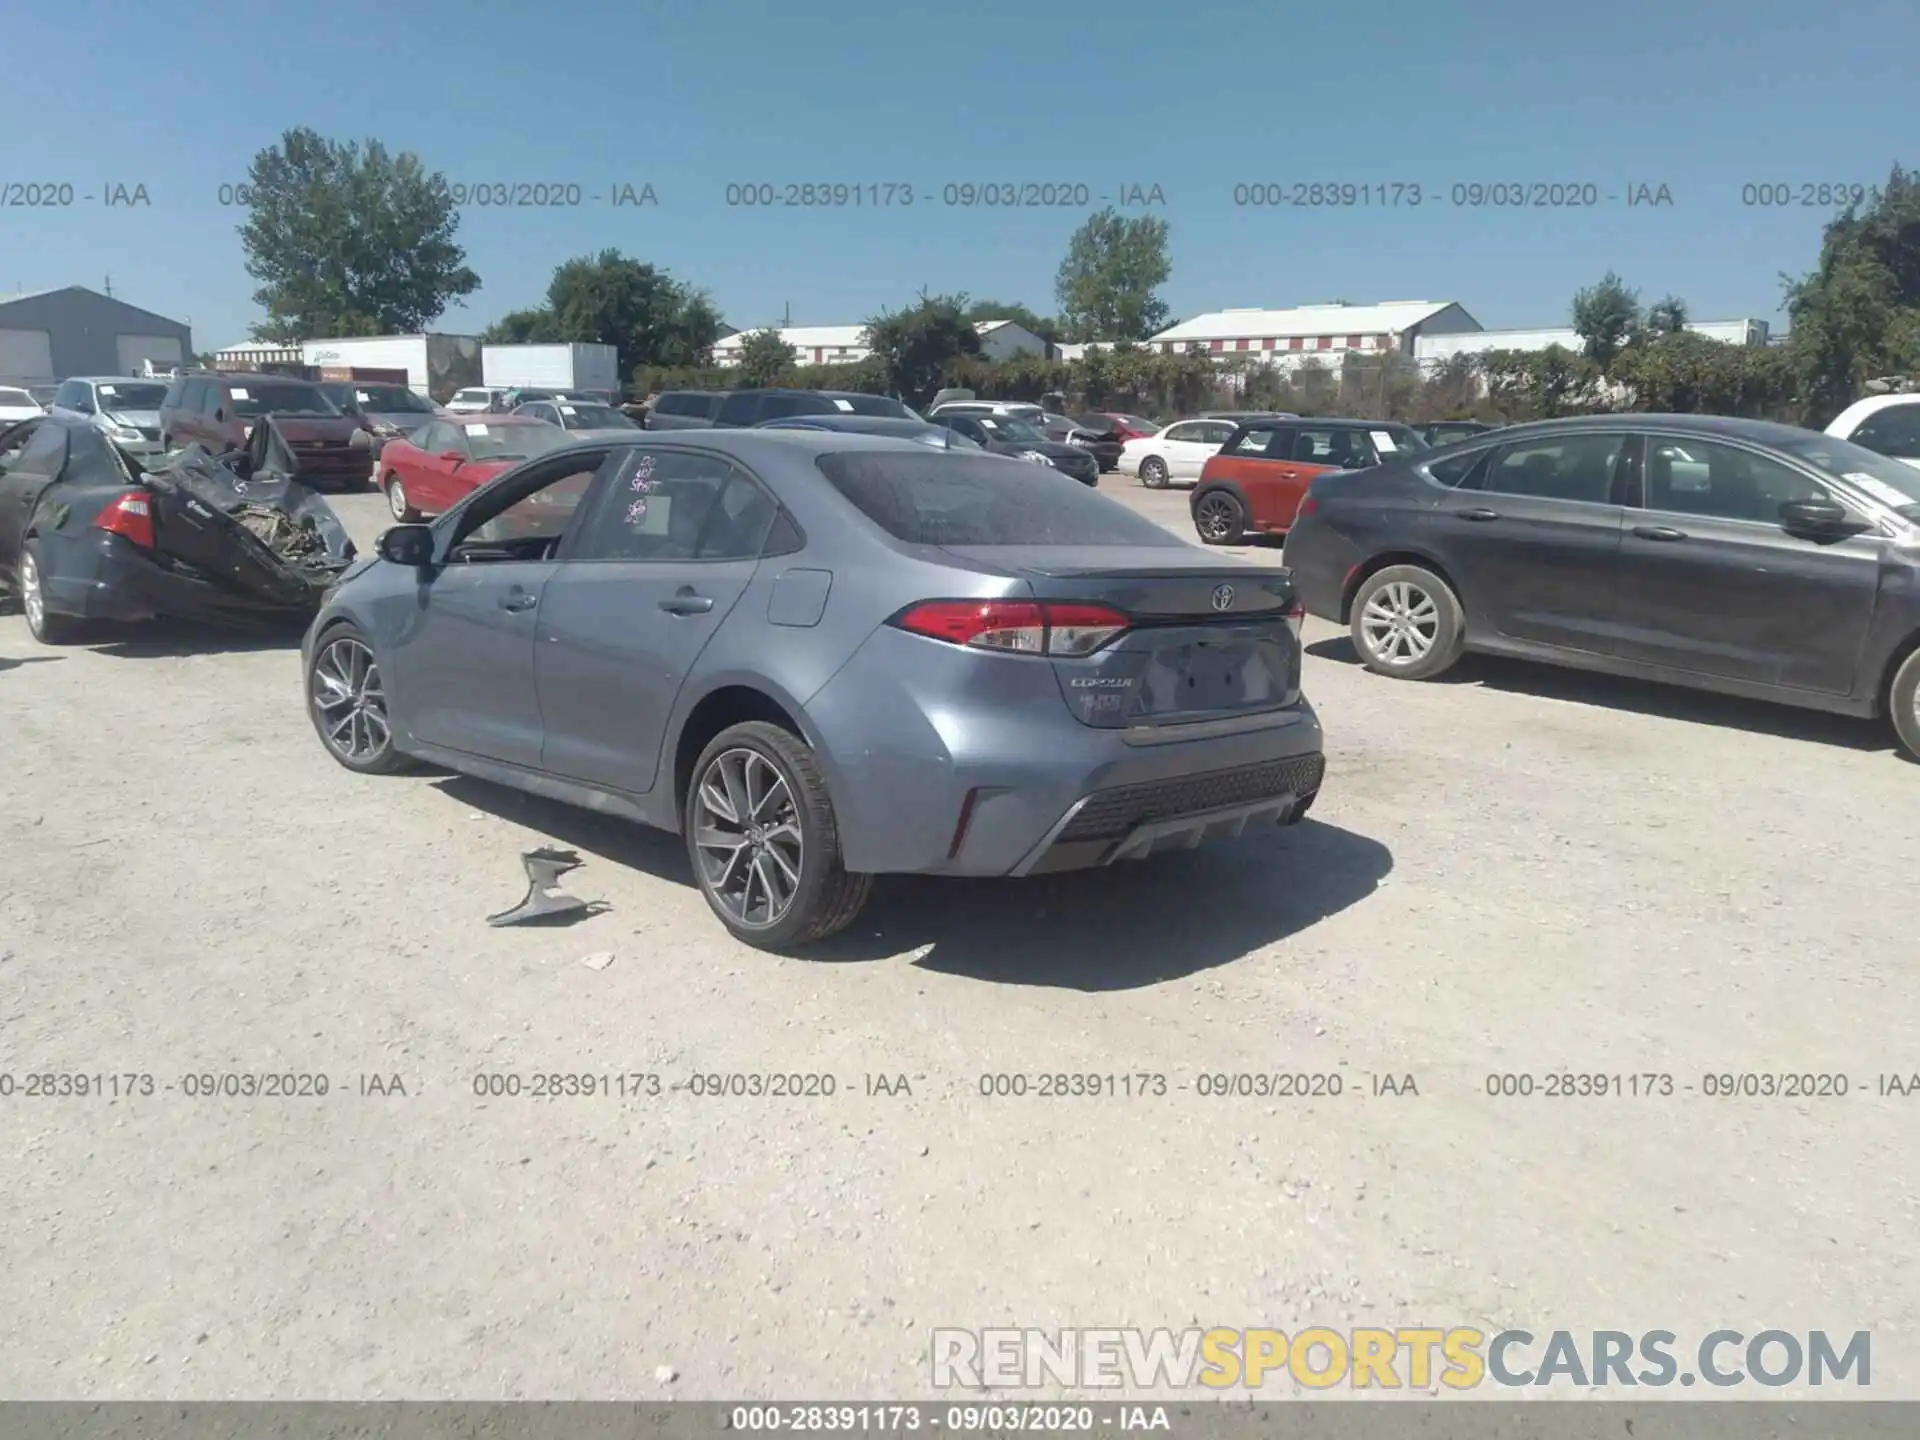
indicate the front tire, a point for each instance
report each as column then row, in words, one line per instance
column 1220, row 517
column 347, row 702
column 1153, row 473
column 1903, row 703
column 46, row 626
column 398, row 505
column 764, row 843
column 1407, row 623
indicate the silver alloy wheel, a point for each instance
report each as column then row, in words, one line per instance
column 1217, row 516
column 746, row 830
column 1401, row 622
column 1153, row 472
column 346, row 690
column 396, row 497
column 32, row 600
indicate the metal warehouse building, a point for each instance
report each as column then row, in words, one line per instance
column 46, row 337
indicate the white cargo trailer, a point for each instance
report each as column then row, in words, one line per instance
column 26, row 357
column 436, row 365
column 551, row 367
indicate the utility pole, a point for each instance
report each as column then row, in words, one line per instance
column 109, row 287
column 787, row 322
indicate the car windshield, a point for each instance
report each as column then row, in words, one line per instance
column 253, row 400
column 517, row 441
column 130, row 396
column 983, row 500
column 594, row 417
column 1014, row 431
column 390, row 400
column 872, row 405
column 1888, row 481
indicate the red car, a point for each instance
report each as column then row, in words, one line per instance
column 1127, row 427
column 1258, row 479
column 445, row 460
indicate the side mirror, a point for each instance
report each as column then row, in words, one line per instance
column 409, row 545
column 220, row 415
column 1815, row 517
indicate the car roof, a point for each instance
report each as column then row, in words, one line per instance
column 1336, row 422
column 1764, row 432
column 851, row 424
column 250, row 377
column 510, row 416
column 1873, row 404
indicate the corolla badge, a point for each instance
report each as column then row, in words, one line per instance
column 1223, row 597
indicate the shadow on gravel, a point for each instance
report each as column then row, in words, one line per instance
column 8, row 664
column 1136, row 924
column 167, row 639
column 1643, row 697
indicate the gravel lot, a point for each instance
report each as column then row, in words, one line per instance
column 1520, row 871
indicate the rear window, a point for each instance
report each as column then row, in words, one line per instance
column 948, row 499
column 15, row 398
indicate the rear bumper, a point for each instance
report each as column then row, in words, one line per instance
column 101, row 576
column 1132, row 822
column 944, row 765
column 1320, row 559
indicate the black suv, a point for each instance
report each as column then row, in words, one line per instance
column 739, row 408
column 684, row 409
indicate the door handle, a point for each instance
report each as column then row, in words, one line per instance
column 1479, row 513
column 516, row 600
column 686, row 603
column 1659, row 532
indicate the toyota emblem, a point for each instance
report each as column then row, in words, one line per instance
column 1223, row 597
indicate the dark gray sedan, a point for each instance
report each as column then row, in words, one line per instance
column 1731, row 555
column 820, row 657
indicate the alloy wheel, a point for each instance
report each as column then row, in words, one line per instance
column 347, row 692
column 1216, row 517
column 746, row 830
column 1401, row 622
column 397, row 498
column 32, row 600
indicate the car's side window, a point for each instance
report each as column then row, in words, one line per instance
column 67, row 397
column 1721, row 482
column 665, row 505
column 1455, row 470
column 526, row 518
column 1893, row 432
column 1253, row 442
column 1332, row 447
column 1214, row 432
column 1183, row 433
column 739, row 409
column 1558, row 467
column 190, row 397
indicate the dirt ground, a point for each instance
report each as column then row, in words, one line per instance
column 1517, row 871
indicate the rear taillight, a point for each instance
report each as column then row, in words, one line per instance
column 1021, row 627
column 130, row 517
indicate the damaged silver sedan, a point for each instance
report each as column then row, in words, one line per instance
column 87, row 532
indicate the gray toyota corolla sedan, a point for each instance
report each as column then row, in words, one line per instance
column 823, row 657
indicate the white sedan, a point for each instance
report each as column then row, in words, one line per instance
column 1887, row 424
column 17, row 405
column 1175, row 453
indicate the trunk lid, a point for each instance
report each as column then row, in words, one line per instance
column 1207, row 640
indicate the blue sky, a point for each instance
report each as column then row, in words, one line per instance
column 1194, row 98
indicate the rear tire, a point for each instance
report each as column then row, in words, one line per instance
column 398, row 505
column 759, row 822
column 1220, row 517
column 1903, row 704
column 1153, row 473
column 1407, row 623
column 46, row 626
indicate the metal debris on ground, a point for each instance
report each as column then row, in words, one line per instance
column 543, row 899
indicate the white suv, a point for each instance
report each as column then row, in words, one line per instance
column 1000, row 409
column 1886, row 424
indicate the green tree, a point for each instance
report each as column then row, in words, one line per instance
column 1606, row 315
column 651, row 318
column 1106, row 284
column 523, row 327
column 1856, row 316
column 346, row 240
column 1667, row 315
column 765, row 358
column 917, row 344
column 1045, row 326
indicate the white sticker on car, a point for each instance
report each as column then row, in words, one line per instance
column 568, row 410
column 475, row 429
column 240, row 394
column 1383, row 442
column 1880, row 490
column 844, row 404
column 108, row 390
